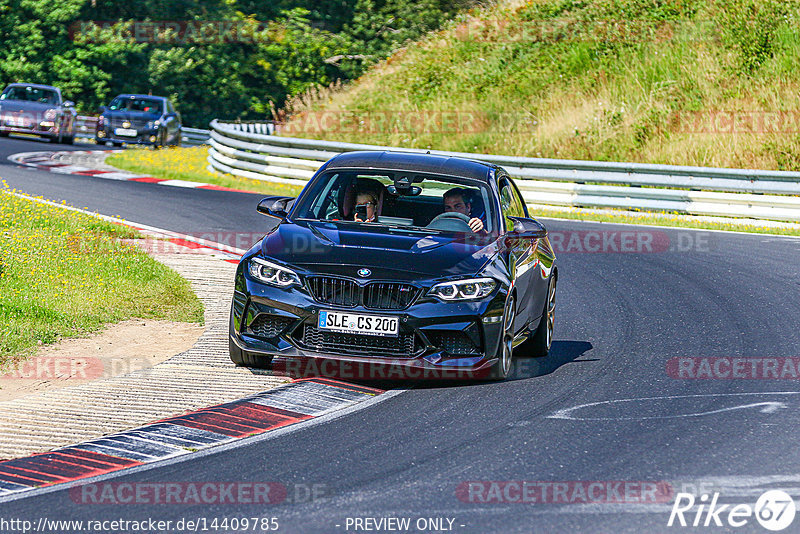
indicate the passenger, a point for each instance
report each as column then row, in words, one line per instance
column 457, row 200
column 370, row 200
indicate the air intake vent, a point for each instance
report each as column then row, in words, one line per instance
column 266, row 325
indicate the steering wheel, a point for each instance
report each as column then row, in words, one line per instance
column 450, row 221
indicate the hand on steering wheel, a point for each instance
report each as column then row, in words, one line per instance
column 454, row 216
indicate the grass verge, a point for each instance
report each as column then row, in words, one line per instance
column 67, row 274
column 189, row 163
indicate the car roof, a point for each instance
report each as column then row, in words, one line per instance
column 413, row 161
column 126, row 95
column 36, row 85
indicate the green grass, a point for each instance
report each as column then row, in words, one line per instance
column 189, row 163
column 67, row 274
column 609, row 80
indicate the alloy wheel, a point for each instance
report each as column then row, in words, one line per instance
column 551, row 313
column 508, row 336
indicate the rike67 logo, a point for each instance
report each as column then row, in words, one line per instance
column 774, row 510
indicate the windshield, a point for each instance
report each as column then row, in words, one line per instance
column 31, row 94
column 146, row 105
column 399, row 199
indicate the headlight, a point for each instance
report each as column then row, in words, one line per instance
column 471, row 289
column 154, row 124
column 50, row 114
column 272, row 274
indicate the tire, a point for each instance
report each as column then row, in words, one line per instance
column 243, row 358
column 69, row 140
column 3, row 134
column 503, row 366
column 539, row 343
column 116, row 143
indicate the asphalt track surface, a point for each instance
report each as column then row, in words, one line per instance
column 621, row 318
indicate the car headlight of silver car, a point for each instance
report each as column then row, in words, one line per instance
column 272, row 273
column 469, row 289
column 50, row 114
column 153, row 124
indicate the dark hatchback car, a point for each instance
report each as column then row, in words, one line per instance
column 414, row 288
column 139, row 119
column 28, row 108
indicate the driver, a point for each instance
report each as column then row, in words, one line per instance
column 457, row 199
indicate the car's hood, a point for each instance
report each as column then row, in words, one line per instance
column 25, row 106
column 343, row 248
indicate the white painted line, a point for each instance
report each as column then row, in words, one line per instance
column 120, row 175
column 69, row 169
column 766, row 407
column 181, row 183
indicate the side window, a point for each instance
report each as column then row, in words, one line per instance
column 510, row 203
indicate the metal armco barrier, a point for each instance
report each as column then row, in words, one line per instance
column 245, row 149
column 194, row 136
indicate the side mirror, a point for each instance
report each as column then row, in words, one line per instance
column 525, row 228
column 277, row 207
column 69, row 104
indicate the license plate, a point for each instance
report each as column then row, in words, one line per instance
column 19, row 122
column 357, row 323
column 127, row 132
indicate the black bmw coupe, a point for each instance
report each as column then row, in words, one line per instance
column 427, row 265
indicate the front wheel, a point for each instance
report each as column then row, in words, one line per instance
column 506, row 351
column 539, row 344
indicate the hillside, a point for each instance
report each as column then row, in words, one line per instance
column 697, row 82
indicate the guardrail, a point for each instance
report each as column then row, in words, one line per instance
column 244, row 149
column 194, row 136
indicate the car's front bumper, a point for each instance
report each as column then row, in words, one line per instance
column 143, row 137
column 437, row 339
column 33, row 129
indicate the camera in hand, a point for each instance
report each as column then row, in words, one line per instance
column 361, row 212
